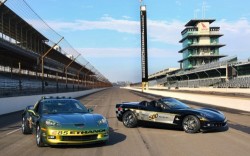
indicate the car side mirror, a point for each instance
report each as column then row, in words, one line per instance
column 90, row 110
column 31, row 111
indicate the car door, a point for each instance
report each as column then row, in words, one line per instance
column 149, row 112
column 166, row 115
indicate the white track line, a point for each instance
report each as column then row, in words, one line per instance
column 13, row 131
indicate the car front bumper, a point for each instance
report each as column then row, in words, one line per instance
column 212, row 125
column 74, row 137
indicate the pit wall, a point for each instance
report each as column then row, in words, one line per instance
column 13, row 104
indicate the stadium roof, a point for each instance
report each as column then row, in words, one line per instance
column 14, row 49
column 17, row 19
column 193, row 22
column 199, row 35
column 162, row 72
column 203, row 56
column 201, row 45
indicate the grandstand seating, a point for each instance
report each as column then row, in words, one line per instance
column 195, row 83
column 236, row 82
column 20, row 84
column 209, row 66
column 227, row 73
column 31, row 64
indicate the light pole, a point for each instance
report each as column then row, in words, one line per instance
column 144, row 49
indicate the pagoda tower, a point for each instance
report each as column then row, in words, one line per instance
column 200, row 43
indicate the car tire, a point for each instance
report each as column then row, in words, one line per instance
column 25, row 126
column 191, row 124
column 104, row 143
column 129, row 119
column 39, row 138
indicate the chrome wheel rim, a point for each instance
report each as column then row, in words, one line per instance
column 129, row 119
column 190, row 124
column 23, row 124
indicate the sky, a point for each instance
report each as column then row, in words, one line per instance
column 107, row 32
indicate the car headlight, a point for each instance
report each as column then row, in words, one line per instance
column 51, row 123
column 102, row 121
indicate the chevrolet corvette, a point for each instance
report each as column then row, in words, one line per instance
column 172, row 112
column 63, row 121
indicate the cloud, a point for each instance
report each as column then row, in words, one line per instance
column 110, row 52
column 236, row 37
column 236, row 33
column 158, row 31
column 125, row 52
column 241, row 26
column 166, row 32
column 126, row 17
column 105, row 23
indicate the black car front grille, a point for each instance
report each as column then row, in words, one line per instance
column 219, row 124
column 79, row 138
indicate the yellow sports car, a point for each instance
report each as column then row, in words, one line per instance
column 63, row 121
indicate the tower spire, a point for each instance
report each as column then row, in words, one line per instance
column 203, row 10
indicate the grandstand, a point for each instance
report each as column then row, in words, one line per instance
column 227, row 73
column 35, row 61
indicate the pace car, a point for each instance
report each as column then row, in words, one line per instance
column 172, row 112
column 63, row 121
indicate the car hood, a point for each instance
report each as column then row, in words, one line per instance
column 211, row 114
column 87, row 119
column 131, row 103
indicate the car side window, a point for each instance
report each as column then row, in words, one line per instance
column 164, row 106
column 152, row 106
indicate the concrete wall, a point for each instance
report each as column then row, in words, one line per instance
column 13, row 104
column 242, row 104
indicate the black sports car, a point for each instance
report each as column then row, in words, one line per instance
column 170, row 111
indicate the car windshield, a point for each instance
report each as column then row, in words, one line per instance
column 173, row 103
column 54, row 106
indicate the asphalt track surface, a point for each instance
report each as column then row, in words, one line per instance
column 144, row 140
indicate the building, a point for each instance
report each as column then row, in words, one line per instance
column 200, row 43
column 201, row 65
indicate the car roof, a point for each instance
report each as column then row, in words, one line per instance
column 55, row 98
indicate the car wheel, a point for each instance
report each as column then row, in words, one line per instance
column 39, row 139
column 104, row 142
column 129, row 119
column 25, row 126
column 191, row 124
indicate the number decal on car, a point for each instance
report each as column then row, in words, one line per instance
column 153, row 116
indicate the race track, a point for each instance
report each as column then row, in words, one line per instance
column 144, row 141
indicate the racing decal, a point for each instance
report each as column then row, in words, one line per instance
column 166, row 118
column 161, row 117
column 119, row 111
column 153, row 116
column 77, row 132
column 156, row 116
